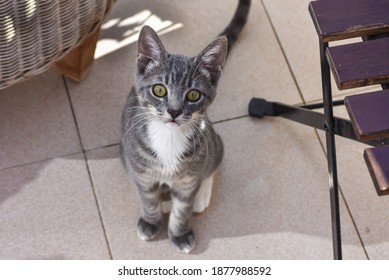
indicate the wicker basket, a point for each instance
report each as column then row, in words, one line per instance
column 36, row 33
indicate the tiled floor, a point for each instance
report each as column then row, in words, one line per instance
column 64, row 193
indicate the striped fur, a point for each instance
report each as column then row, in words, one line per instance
column 237, row 23
column 169, row 140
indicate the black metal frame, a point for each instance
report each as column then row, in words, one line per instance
column 327, row 122
column 303, row 114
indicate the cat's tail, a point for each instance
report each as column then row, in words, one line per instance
column 237, row 23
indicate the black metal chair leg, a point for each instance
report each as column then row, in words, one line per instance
column 331, row 153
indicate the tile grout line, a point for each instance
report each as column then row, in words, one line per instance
column 230, row 119
column 344, row 200
column 283, row 52
column 38, row 161
column 316, row 132
column 57, row 156
column 87, row 167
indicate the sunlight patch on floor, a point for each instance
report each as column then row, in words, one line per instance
column 132, row 26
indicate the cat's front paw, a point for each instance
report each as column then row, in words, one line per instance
column 147, row 231
column 184, row 244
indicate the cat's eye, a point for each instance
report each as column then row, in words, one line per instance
column 159, row 90
column 193, row 95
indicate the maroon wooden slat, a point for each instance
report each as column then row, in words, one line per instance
column 360, row 64
column 343, row 19
column 377, row 161
column 369, row 114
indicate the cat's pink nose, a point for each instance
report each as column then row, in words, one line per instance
column 174, row 113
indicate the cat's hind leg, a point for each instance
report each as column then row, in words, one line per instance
column 202, row 200
column 203, row 197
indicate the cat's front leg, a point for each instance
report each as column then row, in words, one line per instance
column 180, row 232
column 150, row 223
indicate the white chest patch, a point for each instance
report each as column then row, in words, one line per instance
column 169, row 143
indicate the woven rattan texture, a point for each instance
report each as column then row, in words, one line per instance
column 36, row 33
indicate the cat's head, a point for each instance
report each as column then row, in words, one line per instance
column 175, row 88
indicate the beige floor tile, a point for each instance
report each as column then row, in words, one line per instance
column 48, row 211
column 298, row 38
column 255, row 66
column 271, row 201
column 36, row 121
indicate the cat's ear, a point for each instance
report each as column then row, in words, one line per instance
column 151, row 52
column 211, row 60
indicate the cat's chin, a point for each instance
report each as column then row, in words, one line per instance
column 172, row 125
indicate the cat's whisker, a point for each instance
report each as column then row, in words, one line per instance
column 128, row 122
column 194, row 152
column 201, row 134
column 136, row 120
column 199, row 124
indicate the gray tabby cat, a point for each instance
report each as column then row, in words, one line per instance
column 168, row 141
